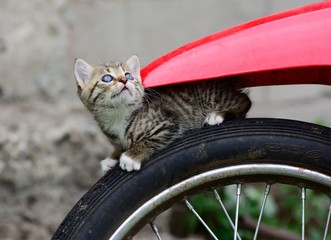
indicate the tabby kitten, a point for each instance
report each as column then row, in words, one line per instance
column 137, row 123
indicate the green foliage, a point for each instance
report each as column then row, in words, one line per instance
column 283, row 210
column 321, row 121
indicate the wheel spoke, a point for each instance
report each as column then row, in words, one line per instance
column 266, row 194
column 190, row 207
column 237, row 211
column 155, row 230
column 327, row 223
column 303, row 199
column 218, row 198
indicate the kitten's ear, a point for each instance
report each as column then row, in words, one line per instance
column 134, row 65
column 82, row 71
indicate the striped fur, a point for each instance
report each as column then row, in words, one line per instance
column 140, row 121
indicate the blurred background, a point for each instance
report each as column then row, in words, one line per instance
column 50, row 146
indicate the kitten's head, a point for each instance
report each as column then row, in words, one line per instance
column 109, row 85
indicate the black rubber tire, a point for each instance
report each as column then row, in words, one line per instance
column 116, row 195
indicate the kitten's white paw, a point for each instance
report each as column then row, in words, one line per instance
column 108, row 164
column 213, row 119
column 128, row 164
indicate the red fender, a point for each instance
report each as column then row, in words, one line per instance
column 292, row 47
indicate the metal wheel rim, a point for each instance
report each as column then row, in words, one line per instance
column 214, row 175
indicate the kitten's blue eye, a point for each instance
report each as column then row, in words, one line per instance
column 107, row 78
column 129, row 76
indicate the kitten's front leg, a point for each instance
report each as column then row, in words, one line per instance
column 129, row 164
column 132, row 159
column 110, row 162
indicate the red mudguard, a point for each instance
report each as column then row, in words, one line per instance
column 292, row 47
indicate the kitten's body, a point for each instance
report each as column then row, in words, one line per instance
column 138, row 123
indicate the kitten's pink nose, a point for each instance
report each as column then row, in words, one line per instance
column 122, row 79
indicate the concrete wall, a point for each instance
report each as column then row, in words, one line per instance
column 40, row 39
